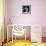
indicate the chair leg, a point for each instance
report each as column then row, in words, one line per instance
column 12, row 36
column 2, row 44
column 15, row 38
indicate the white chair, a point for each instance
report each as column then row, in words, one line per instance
column 17, row 32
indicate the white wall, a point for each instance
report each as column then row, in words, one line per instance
column 1, row 19
column 37, row 16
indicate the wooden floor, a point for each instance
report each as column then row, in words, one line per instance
column 43, row 39
column 18, row 43
column 23, row 43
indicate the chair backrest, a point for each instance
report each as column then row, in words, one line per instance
column 18, row 30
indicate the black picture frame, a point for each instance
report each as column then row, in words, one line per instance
column 26, row 9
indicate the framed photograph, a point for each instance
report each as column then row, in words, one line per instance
column 26, row 9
